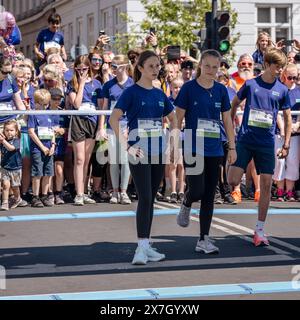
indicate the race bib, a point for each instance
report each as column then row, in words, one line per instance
column 260, row 119
column 51, row 44
column 87, row 107
column 208, row 129
column 45, row 133
column 150, row 128
column 5, row 106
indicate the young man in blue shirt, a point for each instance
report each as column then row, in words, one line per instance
column 265, row 96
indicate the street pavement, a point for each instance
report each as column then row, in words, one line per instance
column 75, row 250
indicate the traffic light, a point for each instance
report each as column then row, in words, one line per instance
column 222, row 32
column 206, row 33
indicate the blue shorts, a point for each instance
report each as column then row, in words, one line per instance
column 41, row 165
column 264, row 158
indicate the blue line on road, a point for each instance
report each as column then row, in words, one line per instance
column 170, row 293
column 120, row 214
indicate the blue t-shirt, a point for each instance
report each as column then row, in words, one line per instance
column 43, row 126
column 48, row 39
column 263, row 101
column 145, row 109
column 68, row 75
column 231, row 95
column 11, row 160
column 258, row 57
column 112, row 91
column 8, row 87
column 202, row 117
column 91, row 93
column 15, row 37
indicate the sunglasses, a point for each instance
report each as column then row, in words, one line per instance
column 97, row 60
column 116, row 66
column 246, row 64
column 5, row 73
column 292, row 78
column 81, row 70
column 56, row 98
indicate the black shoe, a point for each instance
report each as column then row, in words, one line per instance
column 228, row 199
column 173, row 197
column 47, row 202
column 27, row 197
column 97, row 197
column 37, row 203
column 180, row 197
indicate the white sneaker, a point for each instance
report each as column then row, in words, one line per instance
column 206, row 246
column 183, row 217
column 153, row 255
column 124, row 199
column 79, row 200
column 140, row 256
column 88, row 200
column 114, row 198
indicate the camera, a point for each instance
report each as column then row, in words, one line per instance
column 152, row 30
column 173, row 53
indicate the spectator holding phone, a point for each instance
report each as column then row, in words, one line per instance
column 262, row 44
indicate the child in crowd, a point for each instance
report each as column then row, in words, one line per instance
column 41, row 129
column 11, row 165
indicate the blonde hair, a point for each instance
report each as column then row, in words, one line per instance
column 122, row 59
column 260, row 36
column 42, row 96
column 177, row 80
column 275, row 56
column 52, row 56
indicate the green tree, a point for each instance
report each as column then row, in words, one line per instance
column 176, row 20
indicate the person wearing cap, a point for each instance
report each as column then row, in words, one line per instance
column 187, row 68
column 60, row 142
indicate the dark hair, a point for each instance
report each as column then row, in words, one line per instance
column 4, row 62
column 144, row 56
column 54, row 17
column 83, row 59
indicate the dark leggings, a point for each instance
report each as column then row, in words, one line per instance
column 203, row 187
column 147, row 178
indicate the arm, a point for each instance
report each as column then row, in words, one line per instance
column 228, row 125
column 280, row 124
column 180, row 113
column 283, row 153
column 7, row 145
column 18, row 101
column 114, row 122
column 234, row 105
column 37, row 51
column 63, row 53
column 101, row 124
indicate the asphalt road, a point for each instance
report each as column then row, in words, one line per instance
column 68, row 250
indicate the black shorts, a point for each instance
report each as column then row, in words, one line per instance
column 82, row 128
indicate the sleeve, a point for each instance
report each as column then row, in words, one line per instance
column 105, row 91
column 62, row 40
column 255, row 57
column 285, row 102
column 226, row 106
column 242, row 94
column 17, row 144
column 31, row 122
column 39, row 38
column 182, row 100
column 124, row 101
column 69, row 88
column 168, row 107
column 99, row 92
column 14, row 86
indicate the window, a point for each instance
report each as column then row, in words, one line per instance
column 104, row 20
column 79, row 31
column 91, row 30
column 276, row 20
column 71, row 35
column 117, row 18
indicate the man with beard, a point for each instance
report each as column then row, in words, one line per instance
column 245, row 71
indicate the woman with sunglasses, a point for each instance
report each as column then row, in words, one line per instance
column 287, row 170
column 112, row 90
column 145, row 108
column 84, row 94
column 9, row 91
column 96, row 63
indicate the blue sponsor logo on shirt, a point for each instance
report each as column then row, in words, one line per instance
column 94, row 93
column 218, row 105
column 161, row 104
column 275, row 93
column 10, row 90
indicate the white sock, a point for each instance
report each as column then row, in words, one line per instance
column 260, row 226
column 144, row 243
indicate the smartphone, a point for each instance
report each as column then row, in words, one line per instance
column 288, row 42
column 101, row 33
column 152, row 30
column 173, row 53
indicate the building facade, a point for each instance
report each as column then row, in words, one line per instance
column 82, row 20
